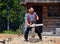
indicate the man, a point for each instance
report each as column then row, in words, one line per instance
column 30, row 18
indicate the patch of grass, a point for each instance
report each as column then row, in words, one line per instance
column 10, row 32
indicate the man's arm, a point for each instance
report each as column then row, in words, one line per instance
column 36, row 15
column 26, row 21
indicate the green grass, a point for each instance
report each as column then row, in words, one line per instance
column 10, row 32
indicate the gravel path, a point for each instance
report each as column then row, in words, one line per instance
column 20, row 40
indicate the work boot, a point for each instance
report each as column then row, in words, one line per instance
column 25, row 40
column 41, row 40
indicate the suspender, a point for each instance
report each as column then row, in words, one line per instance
column 35, row 17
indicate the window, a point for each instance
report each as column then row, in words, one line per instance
column 54, row 11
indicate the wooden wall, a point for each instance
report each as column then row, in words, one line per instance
column 49, row 23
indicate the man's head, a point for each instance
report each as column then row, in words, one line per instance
column 31, row 10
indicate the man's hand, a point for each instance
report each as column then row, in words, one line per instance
column 28, row 24
column 37, row 18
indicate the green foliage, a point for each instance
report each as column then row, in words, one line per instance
column 16, row 14
column 15, row 3
column 12, row 16
column 22, row 12
column 3, row 13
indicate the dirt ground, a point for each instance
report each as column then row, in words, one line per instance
column 14, row 39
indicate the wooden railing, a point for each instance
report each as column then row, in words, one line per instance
column 42, row 0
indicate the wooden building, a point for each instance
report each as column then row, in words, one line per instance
column 47, row 10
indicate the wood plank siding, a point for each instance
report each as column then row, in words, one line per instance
column 40, row 1
column 51, row 22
